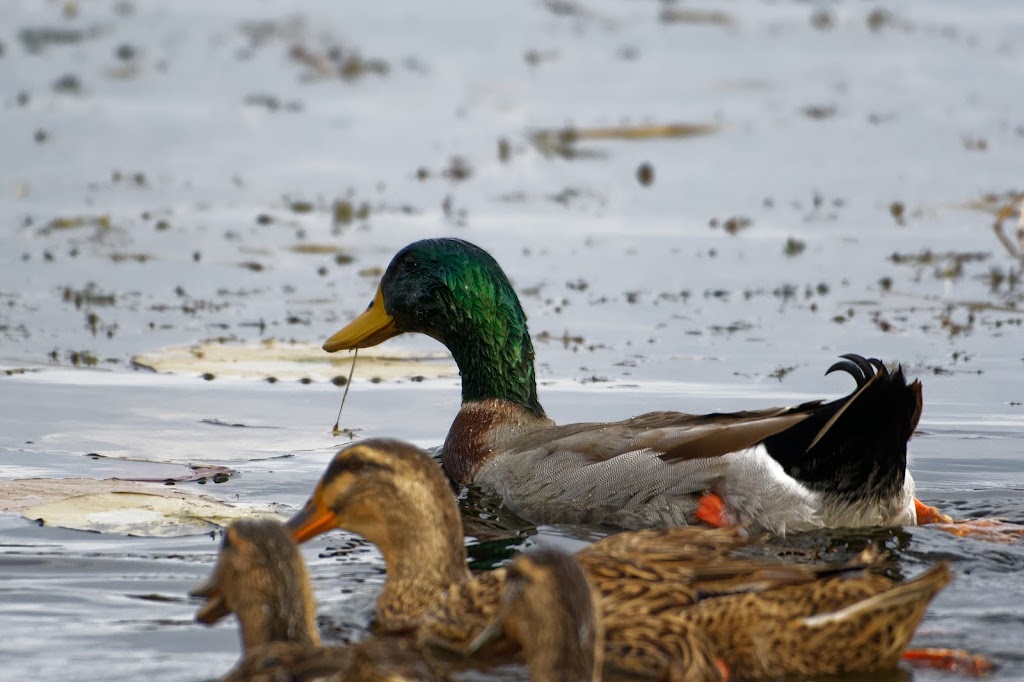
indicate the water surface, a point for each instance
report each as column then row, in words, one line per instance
column 233, row 173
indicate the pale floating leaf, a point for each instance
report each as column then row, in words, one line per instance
column 121, row 507
column 293, row 361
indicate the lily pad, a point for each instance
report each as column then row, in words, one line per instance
column 121, row 507
column 294, row 361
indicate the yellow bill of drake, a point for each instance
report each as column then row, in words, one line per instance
column 374, row 325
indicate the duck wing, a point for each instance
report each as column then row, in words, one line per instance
column 648, row 471
column 673, row 436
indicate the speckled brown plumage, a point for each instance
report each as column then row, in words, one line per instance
column 832, row 626
column 260, row 576
column 671, row 601
column 547, row 607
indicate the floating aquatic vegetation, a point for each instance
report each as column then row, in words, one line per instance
column 819, row 112
column 344, row 212
column 88, row 296
column 1004, row 206
column 315, row 249
column 121, row 257
column 100, row 222
column 291, row 362
column 562, row 141
column 272, row 103
column 146, row 471
column 37, row 39
column 458, row 169
column 794, row 246
column 679, row 15
column 645, row 174
column 122, row 507
column 732, row 225
column 947, row 265
column 347, row 383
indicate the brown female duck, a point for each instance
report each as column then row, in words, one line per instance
column 261, row 578
column 669, row 601
column 832, row 464
column 547, row 608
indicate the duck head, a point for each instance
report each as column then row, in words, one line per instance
column 395, row 496
column 261, row 578
column 456, row 293
column 548, row 607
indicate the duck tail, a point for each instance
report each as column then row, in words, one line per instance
column 855, row 447
column 888, row 619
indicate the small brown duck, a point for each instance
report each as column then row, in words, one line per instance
column 671, row 602
column 548, row 609
column 261, row 578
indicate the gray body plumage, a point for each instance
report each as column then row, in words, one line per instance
column 650, row 471
column 638, row 489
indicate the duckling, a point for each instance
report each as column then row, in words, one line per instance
column 818, row 464
column 662, row 612
column 261, row 578
column 547, row 608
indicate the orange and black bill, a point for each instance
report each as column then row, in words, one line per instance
column 312, row 520
column 214, row 608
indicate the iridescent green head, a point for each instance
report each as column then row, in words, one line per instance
column 457, row 293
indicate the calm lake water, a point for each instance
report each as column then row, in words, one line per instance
column 752, row 188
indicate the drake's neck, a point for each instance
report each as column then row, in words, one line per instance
column 421, row 568
column 495, row 359
column 481, row 428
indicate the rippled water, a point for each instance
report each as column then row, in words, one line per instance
column 185, row 172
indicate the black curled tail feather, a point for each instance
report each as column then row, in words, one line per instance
column 855, row 447
column 859, row 367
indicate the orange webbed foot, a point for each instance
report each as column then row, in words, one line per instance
column 990, row 529
column 927, row 514
column 952, row 660
column 711, row 509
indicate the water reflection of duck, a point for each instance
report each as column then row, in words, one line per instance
column 261, row 578
column 831, row 464
column 669, row 600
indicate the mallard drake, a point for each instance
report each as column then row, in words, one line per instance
column 261, row 578
column 671, row 602
column 818, row 464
